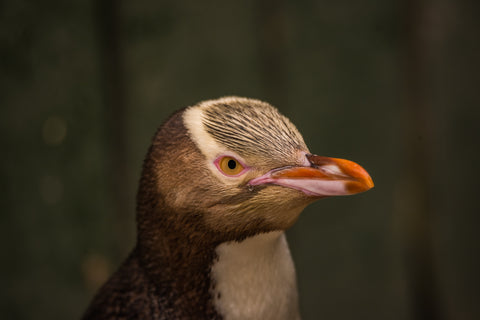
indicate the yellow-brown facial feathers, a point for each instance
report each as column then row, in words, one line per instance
column 261, row 174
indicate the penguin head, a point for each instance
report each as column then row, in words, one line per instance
column 235, row 167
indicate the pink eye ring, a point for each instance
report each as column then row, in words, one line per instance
column 230, row 166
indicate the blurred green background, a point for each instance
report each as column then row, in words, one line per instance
column 392, row 85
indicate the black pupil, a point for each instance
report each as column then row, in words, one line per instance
column 232, row 164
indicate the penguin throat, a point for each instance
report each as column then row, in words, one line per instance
column 255, row 279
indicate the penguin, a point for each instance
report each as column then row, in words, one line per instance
column 220, row 184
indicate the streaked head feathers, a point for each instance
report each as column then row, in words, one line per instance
column 247, row 126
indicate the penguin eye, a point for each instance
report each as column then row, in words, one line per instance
column 229, row 166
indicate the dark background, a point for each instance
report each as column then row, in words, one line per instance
column 392, row 85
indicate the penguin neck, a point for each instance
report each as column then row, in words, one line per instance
column 255, row 279
column 178, row 262
column 176, row 259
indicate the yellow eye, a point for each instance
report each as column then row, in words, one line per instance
column 230, row 166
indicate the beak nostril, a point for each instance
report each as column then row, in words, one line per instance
column 309, row 158
column 318, row 161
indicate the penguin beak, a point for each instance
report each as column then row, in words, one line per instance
column 322, row 178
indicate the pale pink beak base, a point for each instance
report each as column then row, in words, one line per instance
column 325, row 177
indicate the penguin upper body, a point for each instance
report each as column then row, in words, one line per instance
column 221, row 182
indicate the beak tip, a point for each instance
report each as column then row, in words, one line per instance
column 354, row 187
column 364, row 181
column 361, row 185
column 370, row 184
column 368, row 181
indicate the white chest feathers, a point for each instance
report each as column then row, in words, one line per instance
column 255, row 279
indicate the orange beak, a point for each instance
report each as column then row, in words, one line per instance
column 323, row 177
